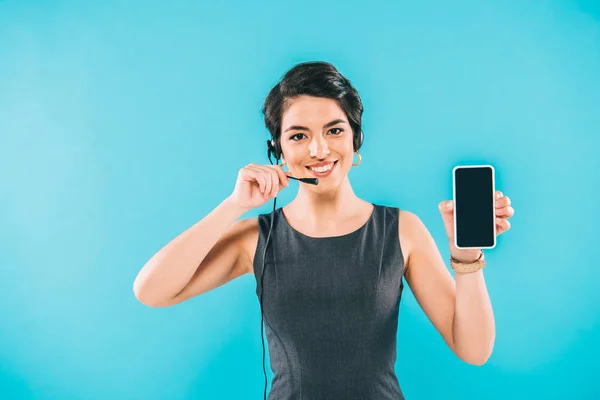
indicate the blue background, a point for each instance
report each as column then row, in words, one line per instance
column 123, row 123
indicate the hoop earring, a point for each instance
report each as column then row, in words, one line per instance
column 359, row 158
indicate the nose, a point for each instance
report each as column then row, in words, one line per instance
column 319, row 147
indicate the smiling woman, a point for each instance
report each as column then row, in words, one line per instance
column 329, row 266
column 317, row 129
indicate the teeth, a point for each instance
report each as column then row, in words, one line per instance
column 323, row 169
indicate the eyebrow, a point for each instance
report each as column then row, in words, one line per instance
column 303, row 128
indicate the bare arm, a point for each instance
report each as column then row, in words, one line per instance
column 203, row 257
column 460, row 310
column 216, row 249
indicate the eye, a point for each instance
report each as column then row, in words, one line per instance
column 336, row 129
column 296, row 135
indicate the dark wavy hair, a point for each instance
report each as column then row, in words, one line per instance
column 318, row 79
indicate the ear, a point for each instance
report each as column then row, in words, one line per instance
column 281, row 156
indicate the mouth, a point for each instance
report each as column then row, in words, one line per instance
column 323, row 172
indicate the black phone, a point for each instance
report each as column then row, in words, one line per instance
column 474, row 206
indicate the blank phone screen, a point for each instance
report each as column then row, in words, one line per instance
column 474, row 207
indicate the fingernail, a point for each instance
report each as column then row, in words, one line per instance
column 449, row 204
column 498, row 195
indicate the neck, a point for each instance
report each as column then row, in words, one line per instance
column 316, row 208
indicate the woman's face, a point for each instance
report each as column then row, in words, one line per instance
column 315, row 132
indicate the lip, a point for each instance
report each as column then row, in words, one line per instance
column 323, row 174
column 321, row 164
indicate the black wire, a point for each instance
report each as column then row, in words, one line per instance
column 262, row 276
column 261, row 296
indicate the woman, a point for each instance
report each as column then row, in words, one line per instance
column 334, row 266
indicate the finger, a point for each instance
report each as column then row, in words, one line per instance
column 280, row 178
column 268, row 182
column 505, row 212
column 260, row 177
column 268, row 173
column 498, row 195
column 503, row 202
column 257, row 175
column 502, row 224
column 284, row 179
column 276, row 173
column 274, row 182
column 446, row 206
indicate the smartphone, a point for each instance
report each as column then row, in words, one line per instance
column 474, row 206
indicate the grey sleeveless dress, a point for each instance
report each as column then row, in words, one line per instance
column 331, row 309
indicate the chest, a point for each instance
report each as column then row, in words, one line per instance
column 354, row 276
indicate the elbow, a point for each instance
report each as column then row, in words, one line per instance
column 475, row 349
column 476, row 357
column 141, row 296
column 476, row 353
column 477, row 361
column 144, row 297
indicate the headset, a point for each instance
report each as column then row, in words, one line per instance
column 274, row 150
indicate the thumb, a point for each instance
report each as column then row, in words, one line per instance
column 446, row 207
column 447, row 211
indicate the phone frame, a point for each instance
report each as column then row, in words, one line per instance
column 493, row 201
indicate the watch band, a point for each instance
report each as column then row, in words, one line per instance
column 466, row 268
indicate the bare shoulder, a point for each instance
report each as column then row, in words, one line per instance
column 408, row 221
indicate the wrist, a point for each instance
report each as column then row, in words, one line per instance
column 466, row 261
column 231, row 203
column 465, row 256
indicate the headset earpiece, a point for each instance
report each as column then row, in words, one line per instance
column 272, row 150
